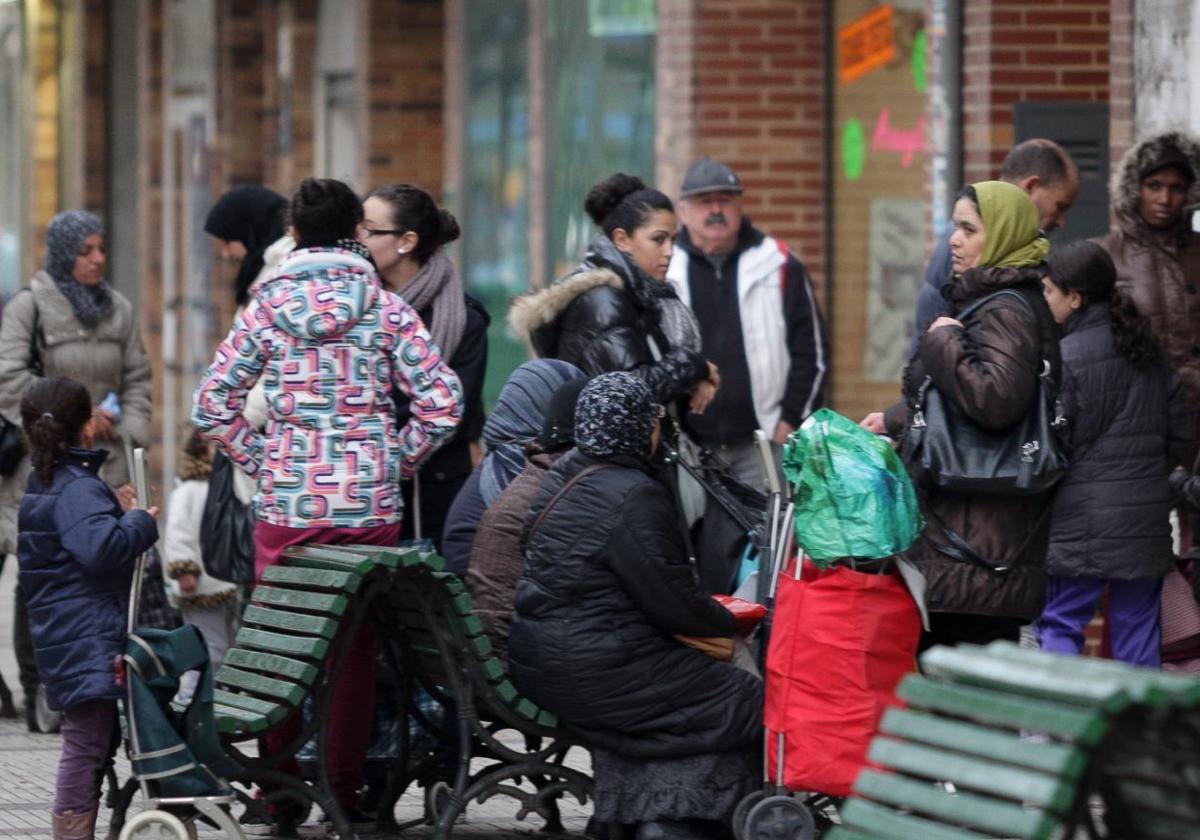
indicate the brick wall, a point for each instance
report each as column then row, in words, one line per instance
column 404, row 130
column 675, row 92
column 760, row 106
column 1026, row 50
column 95, row 95
column 1121, row 103
column 243, row 31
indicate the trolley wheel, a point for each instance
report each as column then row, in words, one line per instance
column 780, row 818
column 157, row 825
column 437, row 797
column 48, row 720
column 742, row 811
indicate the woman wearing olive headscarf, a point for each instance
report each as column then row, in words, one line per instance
column 988, row 365
column 607, row 585
column 72, row 323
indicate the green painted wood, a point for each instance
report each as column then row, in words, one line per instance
column 305, row 646
column 471, row 625
column 1004, row 819
column 1159, row 827
column 313, row 625
column 463, row 604
column 1055, row 758
column 1015, row 783
column 269, row 663
column 991, row 706
column 1102, row 692
column 272, row 712
column 875, row 820
column 843, row 833
column 289, row 692
column 526, row 708
column 507, row 692
column 547, row 719
column 234, row 721
column 481, row 646
column 494, row 670
column 322, row 557
column 1177, row 803
column 1143, row 684
column 294, row 599
column 300, row 577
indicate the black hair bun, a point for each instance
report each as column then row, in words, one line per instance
column 448, row 229
column 603, row 198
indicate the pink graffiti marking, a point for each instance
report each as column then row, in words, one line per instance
column 906, row 143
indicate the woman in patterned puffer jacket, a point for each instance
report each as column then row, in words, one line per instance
column 330, row 345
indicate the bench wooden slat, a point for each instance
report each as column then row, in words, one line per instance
column 1055, row 758
column 232, row 721
column 842, row 833
column 269, row 663
column 294, row 599
column 882, row 823
column 969, row 810
column 273, row 712
column 323, row 557
column 992, row 778
column 312, row 578
column 312, row 625
column 990, row 706
column 307, row 646
column 964, row 665
column 289, row 692
column 1174, row 804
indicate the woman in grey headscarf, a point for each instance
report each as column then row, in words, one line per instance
column 70, row 322
column 606, row 593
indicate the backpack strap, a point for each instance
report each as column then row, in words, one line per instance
column 575, row 479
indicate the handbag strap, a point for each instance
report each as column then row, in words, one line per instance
column 959, row 549
column 575, row 479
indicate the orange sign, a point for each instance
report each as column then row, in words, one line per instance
column 866, row 44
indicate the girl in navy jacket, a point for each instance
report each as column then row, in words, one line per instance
column 77, row 545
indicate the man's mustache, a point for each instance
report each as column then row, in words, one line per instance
column 717, row 218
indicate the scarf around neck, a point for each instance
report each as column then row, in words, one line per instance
column 64, row 239
column 439, row 287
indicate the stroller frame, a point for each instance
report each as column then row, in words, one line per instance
column 213, row 808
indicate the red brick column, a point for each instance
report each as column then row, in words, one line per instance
column 1121, row 105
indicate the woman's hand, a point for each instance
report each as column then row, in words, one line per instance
column 874, row 424
column 127, row 496
column 702, row 396
column 943, row 321
column 714, row 376
column 104, row 424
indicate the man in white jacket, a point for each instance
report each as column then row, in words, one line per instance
column 759, row 321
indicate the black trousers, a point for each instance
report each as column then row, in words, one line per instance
column 968, row 629
column 23, row 647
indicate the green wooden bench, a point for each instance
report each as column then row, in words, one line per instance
column 446, row 649
column 1003, row 742
column 301, row 617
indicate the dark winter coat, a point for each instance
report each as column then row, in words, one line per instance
column 606, row 584
column 496, row 558
column 1129, row 427
column 601, row 318
column 1160, row 270
column 444, row 473
column 77, row 550
column 462, row 521
column 989, row 368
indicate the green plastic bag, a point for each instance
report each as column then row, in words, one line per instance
column 852, row 493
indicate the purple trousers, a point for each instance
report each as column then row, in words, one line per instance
column 1133, row 612
column 89, row 741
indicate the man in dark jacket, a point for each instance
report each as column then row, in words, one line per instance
column 1047, row 173
column 606, row 591
column 759, row 320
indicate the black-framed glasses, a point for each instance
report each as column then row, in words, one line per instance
column 373, row 232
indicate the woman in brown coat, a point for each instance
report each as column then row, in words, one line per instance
column 988, row 365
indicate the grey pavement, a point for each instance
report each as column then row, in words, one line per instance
column 28, row 763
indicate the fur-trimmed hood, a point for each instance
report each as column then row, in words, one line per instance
column 531, row 313
column 1126, row 176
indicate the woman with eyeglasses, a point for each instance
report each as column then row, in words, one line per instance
column 406, row 233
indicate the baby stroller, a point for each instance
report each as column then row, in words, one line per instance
column 175, row 751
column 842, row 629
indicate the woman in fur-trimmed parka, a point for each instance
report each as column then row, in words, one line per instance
column 615, row 311
column 1155, row 250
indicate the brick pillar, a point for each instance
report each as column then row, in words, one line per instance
column 1121, row 105
column 1026, row 51
column 675, row 93
column 760, row 107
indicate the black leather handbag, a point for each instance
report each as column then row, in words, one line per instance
column 947, row 450
column 226, row 527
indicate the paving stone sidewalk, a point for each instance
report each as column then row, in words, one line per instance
column 28, row 763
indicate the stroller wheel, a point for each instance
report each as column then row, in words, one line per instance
column 742, row 811
column 780, row 818
column 48, row 720
column 157, row 825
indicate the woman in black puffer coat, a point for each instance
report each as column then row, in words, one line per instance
column 616, row 311
column 606, row 586
column 1129, row 426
